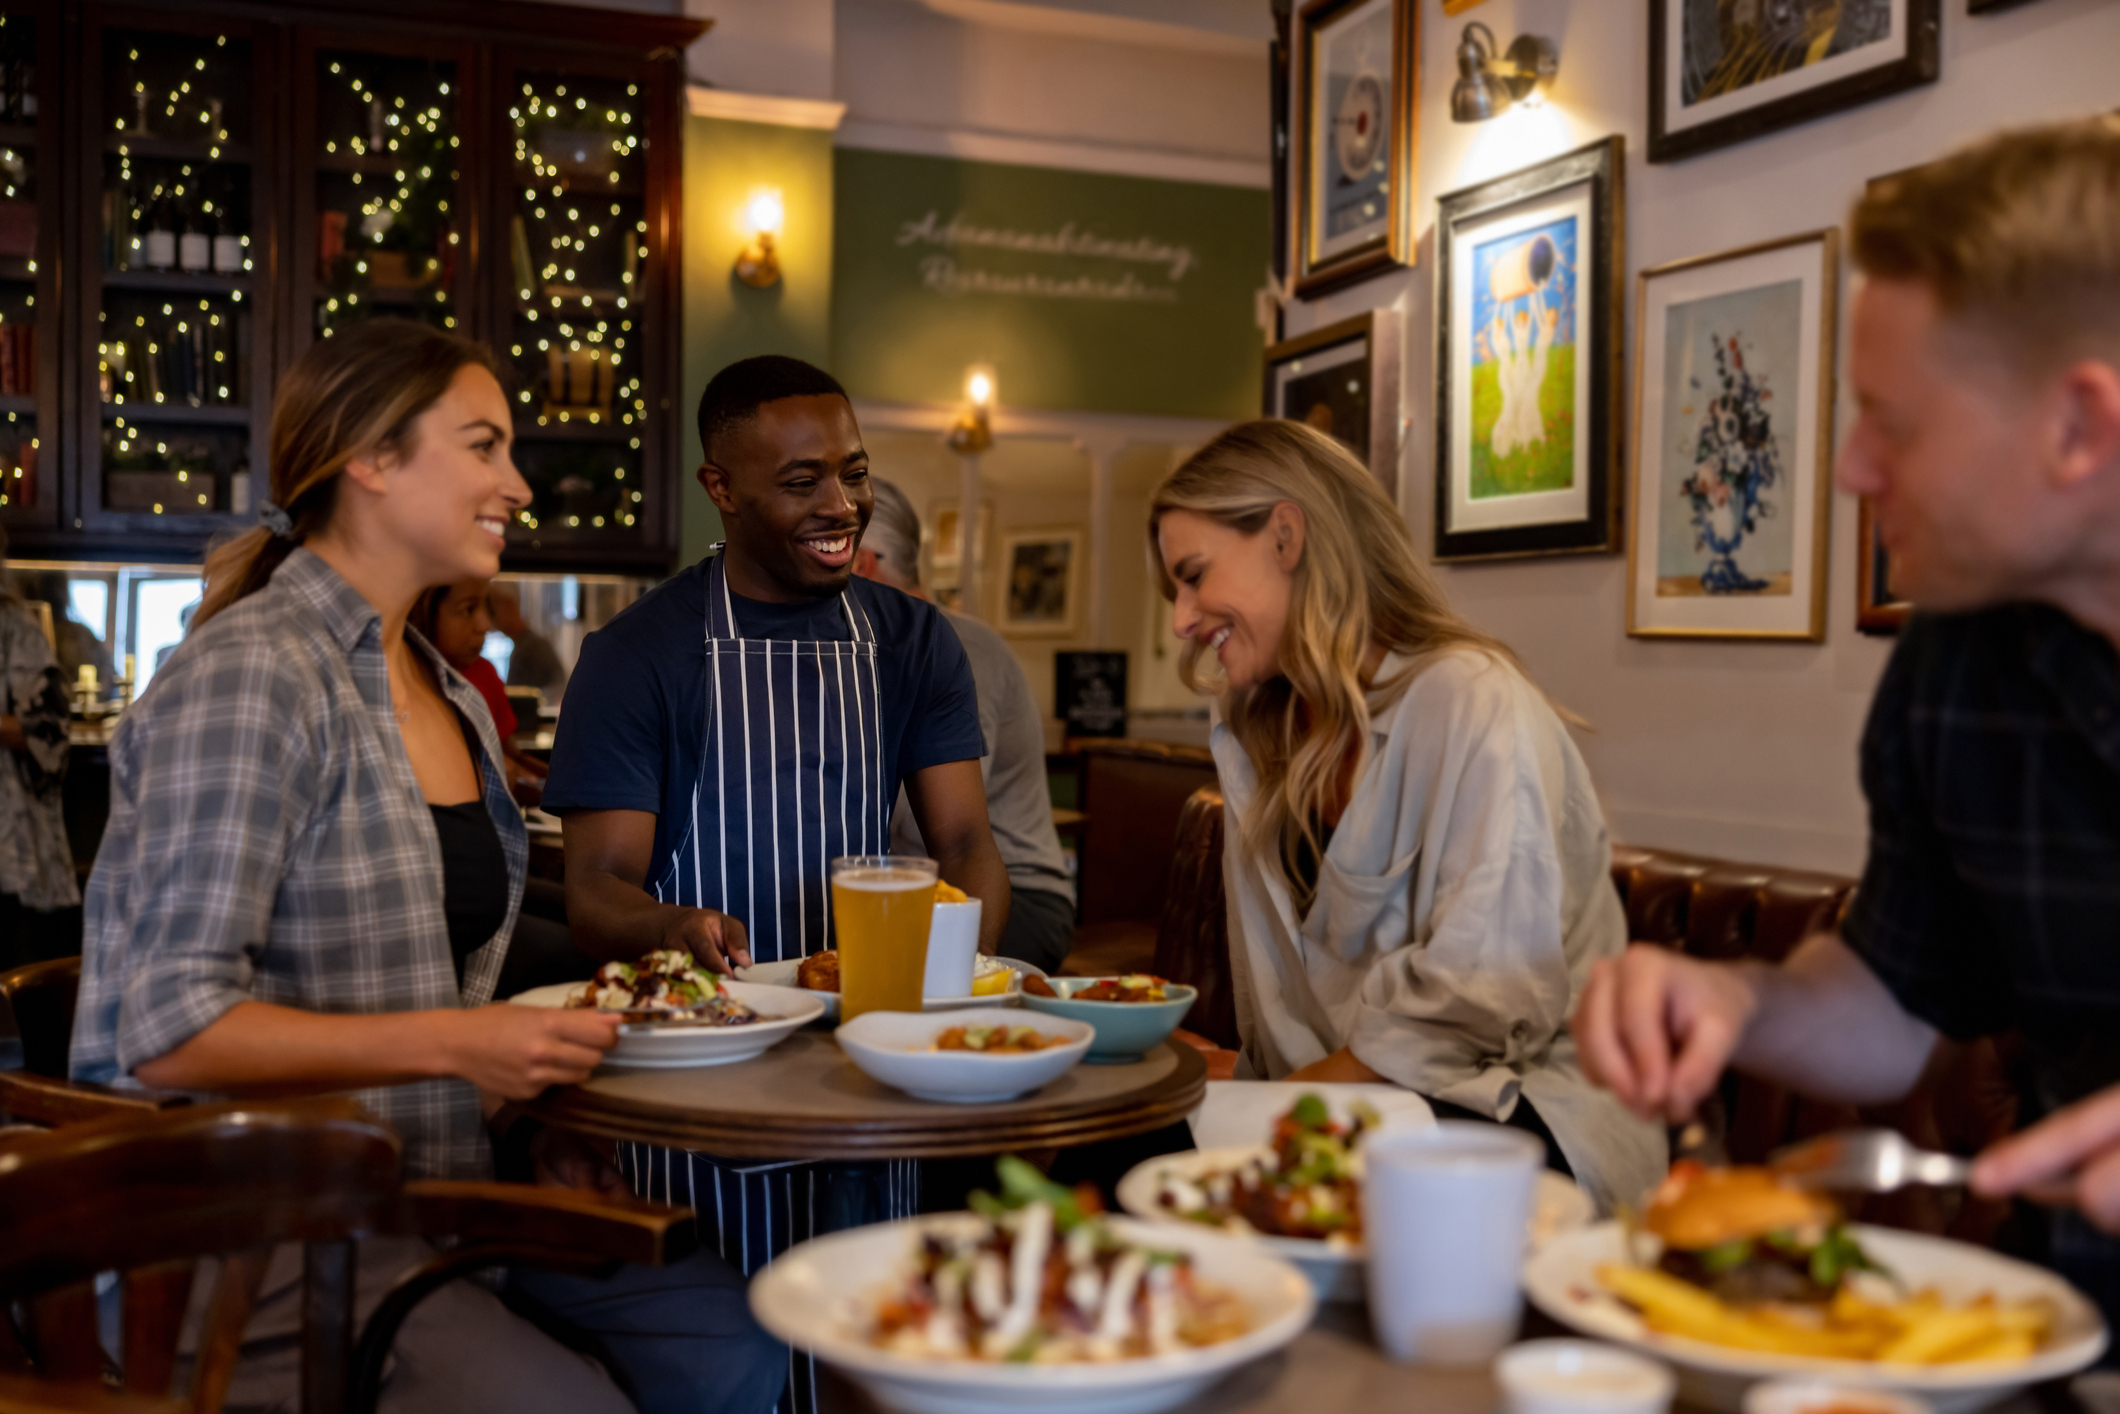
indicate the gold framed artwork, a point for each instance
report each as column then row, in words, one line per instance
column 1041, row 581
column 948, row 551
column 1733, row 442
column 1459, row 7
column 1354, row 140
column 1878, row 607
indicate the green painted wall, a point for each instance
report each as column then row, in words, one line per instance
column 725, row 319
column 1086, row 292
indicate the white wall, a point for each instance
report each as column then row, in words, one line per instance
column 1742, row 750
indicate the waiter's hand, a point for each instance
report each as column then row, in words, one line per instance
column 714, row 939
column 518, row 1051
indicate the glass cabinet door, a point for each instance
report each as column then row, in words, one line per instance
column 582, row 224
column 29, row 231
column 180, row 374
column 384, row 221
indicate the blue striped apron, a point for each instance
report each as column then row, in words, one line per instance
column 791, row 776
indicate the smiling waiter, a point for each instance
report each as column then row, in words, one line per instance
column 742, row 725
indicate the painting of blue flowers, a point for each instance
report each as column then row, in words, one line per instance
column 1733, row 448
column 1726, row 441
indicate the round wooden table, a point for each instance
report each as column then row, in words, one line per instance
column 804, row 1099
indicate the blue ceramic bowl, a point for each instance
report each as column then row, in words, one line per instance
column 1126, row 1031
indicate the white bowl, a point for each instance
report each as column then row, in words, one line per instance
column 1337, row 1271
column 1581, row 1377
column 818, row 1296
column 1800, row 1396
column 1239, row 1112
column 952, row 950
column 897, row 1047
column 1561, row 1280
column 782, row 974
column 674, row 1045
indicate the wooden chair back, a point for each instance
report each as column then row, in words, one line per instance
column 38, row 1000
column 149, row 1197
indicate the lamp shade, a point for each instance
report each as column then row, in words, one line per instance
column 1478, row 93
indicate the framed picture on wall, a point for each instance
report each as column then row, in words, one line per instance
column 949, row 534
column 1041, row 581
column 1354, row 140
column 1986, row 7
column 1878, row 607
column 1724, row 73
column 1733, row 442
column 1527, row 360
column 1343, row 379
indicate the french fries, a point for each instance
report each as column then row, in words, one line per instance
column 1918, row 1330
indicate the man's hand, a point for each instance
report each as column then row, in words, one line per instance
column 715, row 940
column 1656, row 1028
column 563, row 1160
column 2072, row 1158
column 518, row 1051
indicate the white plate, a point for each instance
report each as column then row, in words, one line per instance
column 1337, row 1272
column 675, row 1046
column 1237, row 1112
column 1561, row 1279
column 782, row 974
column 896, row 1047
column 818, row 1296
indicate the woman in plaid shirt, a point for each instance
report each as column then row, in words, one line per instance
column 270, row 910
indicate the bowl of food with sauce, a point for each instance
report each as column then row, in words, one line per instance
column 969, row 1057
column 1133, row 1013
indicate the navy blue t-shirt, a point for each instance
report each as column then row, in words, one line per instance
column 633, row 728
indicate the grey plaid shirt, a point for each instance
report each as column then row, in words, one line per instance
column 268, row 841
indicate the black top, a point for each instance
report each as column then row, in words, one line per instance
column 474, row 878
column 1991, row 900
column 633, row 736
column 1307, row 859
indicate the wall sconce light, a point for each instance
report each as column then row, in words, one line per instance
column 973, row 432
column 758, row 264
column 1487, row 85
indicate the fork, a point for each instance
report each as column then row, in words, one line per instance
column 1867, row 1161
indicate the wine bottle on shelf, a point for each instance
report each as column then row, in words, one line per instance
column 161, row 233
column 29, row 92
column 227, row 236
column 195, row 241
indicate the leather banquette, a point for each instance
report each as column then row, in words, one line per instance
column 1706, row 908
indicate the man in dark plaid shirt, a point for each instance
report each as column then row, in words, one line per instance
column 1986, row 359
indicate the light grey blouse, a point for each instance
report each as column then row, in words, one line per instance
column 1462, row 900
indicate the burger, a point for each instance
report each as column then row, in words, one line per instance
column 1747, row 1237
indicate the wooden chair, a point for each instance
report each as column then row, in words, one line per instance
column 149, row 1197
column 39, row 999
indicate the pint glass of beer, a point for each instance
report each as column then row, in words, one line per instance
column 882, row 905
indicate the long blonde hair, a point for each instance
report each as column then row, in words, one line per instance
column 354, row 393
column 1359, row 583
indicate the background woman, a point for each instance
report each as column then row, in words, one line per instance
column 313, row 866
column 456, row 618
column 1417, row 865
column 37, row 889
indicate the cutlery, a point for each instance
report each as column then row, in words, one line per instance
column 1867, row 1161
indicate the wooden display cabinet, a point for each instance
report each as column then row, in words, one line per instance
column 31, row 316
column 245, row 179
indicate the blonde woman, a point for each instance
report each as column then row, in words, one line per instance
column 1417, row 865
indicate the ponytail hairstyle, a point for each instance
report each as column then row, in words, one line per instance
column 352, row 394
column 1359, row 583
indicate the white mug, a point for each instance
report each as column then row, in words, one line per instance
column 1445, row 1213
column 953, row 950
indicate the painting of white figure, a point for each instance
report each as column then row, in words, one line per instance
column 1524, row 292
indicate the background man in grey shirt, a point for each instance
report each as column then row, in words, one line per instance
column 1041, row 921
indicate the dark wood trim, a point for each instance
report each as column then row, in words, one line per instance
column 1919, row 64
column 1603, row 164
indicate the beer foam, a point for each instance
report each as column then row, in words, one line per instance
column 883, row 881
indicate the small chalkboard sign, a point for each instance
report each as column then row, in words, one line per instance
column 1089, row 693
